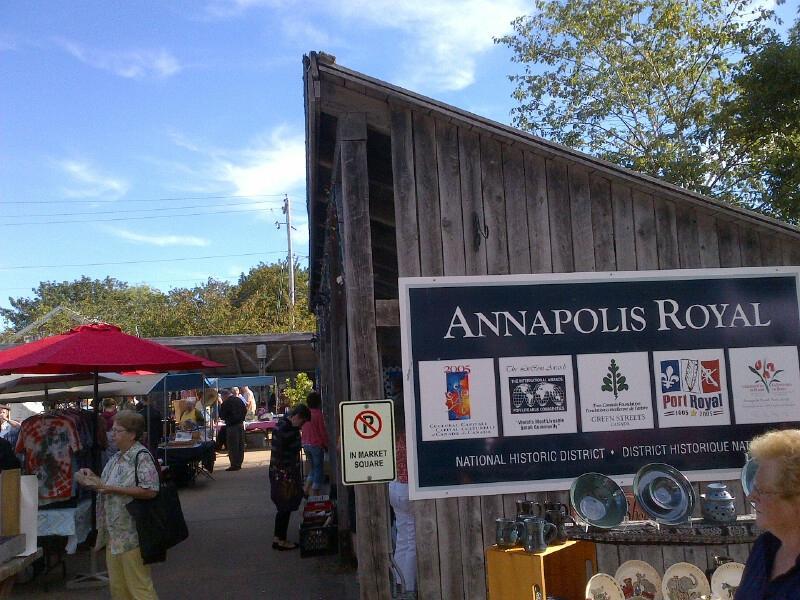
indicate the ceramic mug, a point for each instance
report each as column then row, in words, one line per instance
column 537, row 534
column 506, row 532
column 557, row 516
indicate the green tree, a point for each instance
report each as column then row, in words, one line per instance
column 298, row 389
column 763, row 124
column 106, row 299
column 257, row 303
column 262, row 303
column 637, row 82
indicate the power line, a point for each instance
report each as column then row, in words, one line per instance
column 137, row 283
column 163, row 208
column 136, row 262
column 217, row 212
column 174, row 199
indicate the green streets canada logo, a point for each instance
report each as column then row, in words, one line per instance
column 614, row 381
column 766, row 373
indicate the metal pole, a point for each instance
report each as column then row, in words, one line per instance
column 288, row 212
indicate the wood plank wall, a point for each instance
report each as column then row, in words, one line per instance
column 362, row 346
column 468, row 203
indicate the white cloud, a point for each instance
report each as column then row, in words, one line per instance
column 309, row 35
column 443, row 39
column 270, row 165
column 88, row 182
column 445, row 36
column 131, row 64
column 274, row 163
column 157, row 240
column 223, row 9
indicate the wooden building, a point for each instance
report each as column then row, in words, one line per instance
column 403, row 185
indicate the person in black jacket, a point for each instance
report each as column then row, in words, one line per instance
column 286, row 472
column 233, row 412
column 8, row 459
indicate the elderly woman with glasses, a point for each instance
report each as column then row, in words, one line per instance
column 773, row 568
column 130, row 473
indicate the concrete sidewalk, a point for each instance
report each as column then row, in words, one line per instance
column 229, row 551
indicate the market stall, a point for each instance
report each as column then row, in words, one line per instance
column 88, row 349
column 189, row 450
column 258, row 432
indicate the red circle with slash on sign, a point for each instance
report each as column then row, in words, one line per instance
column 368, row 424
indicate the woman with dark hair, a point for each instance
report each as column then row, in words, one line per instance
column 315, row 442
column 286, row 472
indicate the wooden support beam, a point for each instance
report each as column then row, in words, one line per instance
column 236, row 359
column 387, row 313
column 249, row 359
column 365, row 377
column 275, row 356
column 338, row 101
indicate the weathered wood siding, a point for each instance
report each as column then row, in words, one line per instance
column 468, row 202
column 474, row 197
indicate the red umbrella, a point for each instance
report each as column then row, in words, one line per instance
column 97, row 347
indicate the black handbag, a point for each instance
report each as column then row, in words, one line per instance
column 159, row 521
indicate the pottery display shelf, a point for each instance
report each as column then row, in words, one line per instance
column 697, row 531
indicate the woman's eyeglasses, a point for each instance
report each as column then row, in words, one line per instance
column 756, row 491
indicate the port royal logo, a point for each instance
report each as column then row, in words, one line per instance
column 537, row 394
column 691, row 387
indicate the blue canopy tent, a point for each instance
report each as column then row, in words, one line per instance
column 248, row 380
column 176, row 382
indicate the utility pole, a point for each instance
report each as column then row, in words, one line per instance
column 288, row 223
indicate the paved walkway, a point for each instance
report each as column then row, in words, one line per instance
column 229, row 551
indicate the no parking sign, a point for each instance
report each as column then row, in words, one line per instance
column 367, row 434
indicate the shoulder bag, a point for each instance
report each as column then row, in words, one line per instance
column 159, row 521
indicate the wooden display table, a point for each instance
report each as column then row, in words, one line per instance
column 560, row 571
column 9, row 570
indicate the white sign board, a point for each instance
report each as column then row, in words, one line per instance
column 367, row 434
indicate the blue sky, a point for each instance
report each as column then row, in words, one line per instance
column 116, row 109
column 124, row 109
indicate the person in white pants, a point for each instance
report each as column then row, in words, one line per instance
column 405, row 549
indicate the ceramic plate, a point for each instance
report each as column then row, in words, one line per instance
column 684, row 580
column 603, row 587
column 726, row 579
column 638, row 579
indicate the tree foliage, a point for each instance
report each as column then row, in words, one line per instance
column 298, row 389
column 763, row 123
column 257, row 303
column 637, row 82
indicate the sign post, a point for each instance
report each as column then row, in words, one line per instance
column 367, row 434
